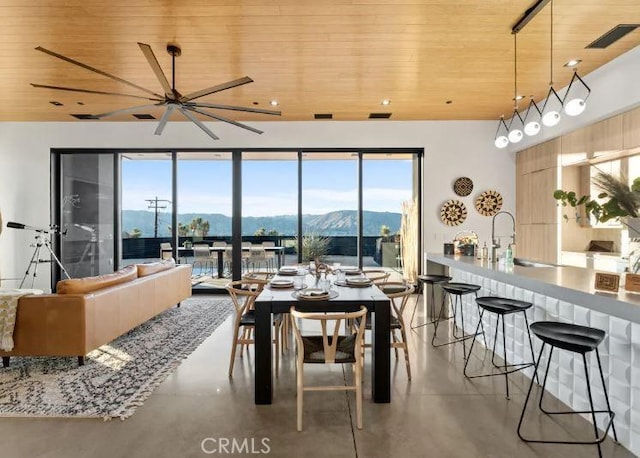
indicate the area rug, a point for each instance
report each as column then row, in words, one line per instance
column 117, row 377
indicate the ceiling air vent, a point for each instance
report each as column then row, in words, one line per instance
column 613, row 35
column 84, row 116
column 379, row 115
column 323, row 116
column 144, row 116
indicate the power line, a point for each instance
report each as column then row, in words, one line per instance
column 155, row 204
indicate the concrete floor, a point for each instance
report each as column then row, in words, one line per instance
column 438, row 414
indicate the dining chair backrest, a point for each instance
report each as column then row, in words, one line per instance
column 243, row 294
column 398, row 293
column 268, row 244
column 379, row 277
column 201, row 251
column 219, row 243
column 330, row 351
column 165, row 250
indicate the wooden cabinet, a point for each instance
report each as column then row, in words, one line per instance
column 575, row 146
column 607, row 135
column 631, row 129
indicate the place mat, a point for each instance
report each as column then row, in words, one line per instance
column 280, row 288
column 305, row 297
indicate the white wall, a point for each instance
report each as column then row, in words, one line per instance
column 452, row 149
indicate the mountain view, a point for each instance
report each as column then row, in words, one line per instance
column 342, row 222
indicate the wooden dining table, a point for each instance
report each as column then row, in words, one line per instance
column 348, row 299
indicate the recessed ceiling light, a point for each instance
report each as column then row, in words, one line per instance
column 385, row 102
column 518, row 97
column 273, row 103
column 572, row 63
column 449, row 102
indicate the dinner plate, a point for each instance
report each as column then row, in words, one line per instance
column 281, row 283
column 359, row 281
column 288, row 271
column 313, row 294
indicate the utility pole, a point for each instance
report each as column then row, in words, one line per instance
column 155, row 204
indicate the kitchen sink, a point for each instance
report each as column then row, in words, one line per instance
column 525, row 263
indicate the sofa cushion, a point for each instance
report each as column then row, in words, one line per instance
column 89, row 284
column 153, row 267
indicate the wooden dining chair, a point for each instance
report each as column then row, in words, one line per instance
column 243, row 294
column 378, row 276
column 399, row 294
column 329, row 348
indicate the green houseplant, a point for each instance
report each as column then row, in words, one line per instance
column 622, row 200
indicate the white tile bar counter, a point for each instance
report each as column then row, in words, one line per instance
column 563, row 294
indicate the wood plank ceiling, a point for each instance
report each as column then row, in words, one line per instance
column 331, row 56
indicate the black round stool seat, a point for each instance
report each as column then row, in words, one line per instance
column 572, row 337
column 460, row 288
column 502, row 305
column 434, row 279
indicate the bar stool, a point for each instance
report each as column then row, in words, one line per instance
column 457, row 290
column 577, row 339
column 502, row 306
column 425, row 280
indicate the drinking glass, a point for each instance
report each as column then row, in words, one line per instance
column 298, row 281
column 341, row 276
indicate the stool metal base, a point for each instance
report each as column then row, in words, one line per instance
column 598, row 438
column 431, row 304
column 504, row 369
column 464, row 337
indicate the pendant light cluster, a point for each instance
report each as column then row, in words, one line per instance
column 573, row 104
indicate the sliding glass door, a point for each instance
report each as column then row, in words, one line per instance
column 146, row 203
column 86, row 214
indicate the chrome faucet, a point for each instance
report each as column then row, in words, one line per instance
column 495, row 241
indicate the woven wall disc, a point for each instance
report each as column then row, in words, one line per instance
column 489, row 203
column 463, row 186
column 453, row 213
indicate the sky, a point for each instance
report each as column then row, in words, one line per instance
column 269, row 187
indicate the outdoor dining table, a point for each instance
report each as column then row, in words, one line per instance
column 348, row 299
column 221, row 249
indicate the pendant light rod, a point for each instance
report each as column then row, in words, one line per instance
column 551, row 48
column 515, row 71
column 529, row 15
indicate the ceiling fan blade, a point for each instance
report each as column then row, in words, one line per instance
column 100, row 72
column 89, row 91
column 234, row 108
column 230, row 121
column 155, row 66
column 164, row 119
column 197, row 122
column 218, row 88
column 126, row 110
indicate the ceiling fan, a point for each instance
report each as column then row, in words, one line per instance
column 172, row 100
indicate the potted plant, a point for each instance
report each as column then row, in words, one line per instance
column 622, row 201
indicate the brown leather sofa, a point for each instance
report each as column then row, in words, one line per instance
column 86, row 313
